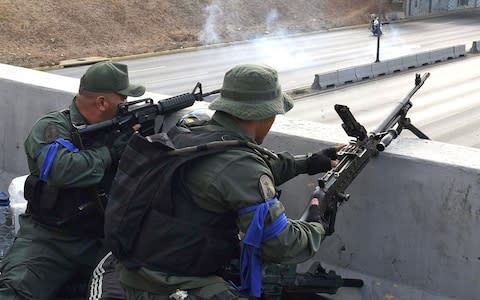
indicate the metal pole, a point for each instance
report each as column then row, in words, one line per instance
column 379, row 30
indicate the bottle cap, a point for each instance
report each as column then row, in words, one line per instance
column 4, row 199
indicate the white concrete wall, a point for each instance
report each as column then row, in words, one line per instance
column 410, row 229
column 413, row 217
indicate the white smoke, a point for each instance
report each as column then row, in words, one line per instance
column 209, row 34
column 271, row 18
column 274, row 52
column 393, row 45
column 269, row 46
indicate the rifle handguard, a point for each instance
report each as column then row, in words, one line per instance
column 175, row 103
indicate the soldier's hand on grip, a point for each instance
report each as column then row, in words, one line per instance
column 323, row 160
column 117, row 143
column 316, row 211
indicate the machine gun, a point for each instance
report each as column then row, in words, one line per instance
column 282, row 281
column 354, row 157
column 143, row 112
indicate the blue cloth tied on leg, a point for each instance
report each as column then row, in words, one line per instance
column 250, row 260
column 51, row 152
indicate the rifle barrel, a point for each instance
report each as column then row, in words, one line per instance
column 390, row 120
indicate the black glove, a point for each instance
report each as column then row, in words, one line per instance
column 321, row 161
column 117, row 142
column 316, row 213
column 330, row 153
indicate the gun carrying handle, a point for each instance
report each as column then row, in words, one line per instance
column 350, row 124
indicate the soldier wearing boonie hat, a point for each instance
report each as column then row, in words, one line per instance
column 61, row 233
column 220, row 193
column 252, row 92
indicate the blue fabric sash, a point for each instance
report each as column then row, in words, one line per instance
column 250, row 260
column 51, row 152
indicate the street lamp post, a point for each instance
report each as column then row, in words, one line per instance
column 379, row 30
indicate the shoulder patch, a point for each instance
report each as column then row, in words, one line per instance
column 267, row 189
column 51, row 133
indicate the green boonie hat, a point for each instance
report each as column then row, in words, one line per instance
column 252, row 92
column 110, row 77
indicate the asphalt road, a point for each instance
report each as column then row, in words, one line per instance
column 445, row 108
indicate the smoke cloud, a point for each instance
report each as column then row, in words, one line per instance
column 209, row 34
column 269, row 48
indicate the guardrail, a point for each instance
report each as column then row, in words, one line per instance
column 364, row 72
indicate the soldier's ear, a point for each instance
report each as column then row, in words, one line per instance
column 100, row 103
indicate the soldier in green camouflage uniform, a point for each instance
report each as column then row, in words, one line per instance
column 61, row 231
column 230, row 181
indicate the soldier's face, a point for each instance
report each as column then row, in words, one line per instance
column 111, row 105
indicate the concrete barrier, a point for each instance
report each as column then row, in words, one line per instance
column 411, row 221
column 442, row 54
column 379, row 69
column 403, row 237
column 395, row 65
column 410, row 62
column 346, row 76
column 424, row 59
column 459, row 51
column 364, row 72
column 475, row 47
column 326, row 80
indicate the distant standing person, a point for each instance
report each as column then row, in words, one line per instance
column 61, row 232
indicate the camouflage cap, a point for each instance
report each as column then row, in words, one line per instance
column 110, row 77
column 252, row 92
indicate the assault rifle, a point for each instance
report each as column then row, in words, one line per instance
column 144, row 112
column 354, row 157
column 283, row 282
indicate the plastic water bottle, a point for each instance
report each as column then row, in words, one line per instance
column 7, row 228
column 18, row 204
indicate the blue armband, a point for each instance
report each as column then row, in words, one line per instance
column 51, row 152
column 250, row 260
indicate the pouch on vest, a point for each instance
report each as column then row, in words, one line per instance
column 142, row 188
column 39, row 194
column 74, row 210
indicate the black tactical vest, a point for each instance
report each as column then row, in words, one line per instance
column 77, row 211
column 152, row 221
